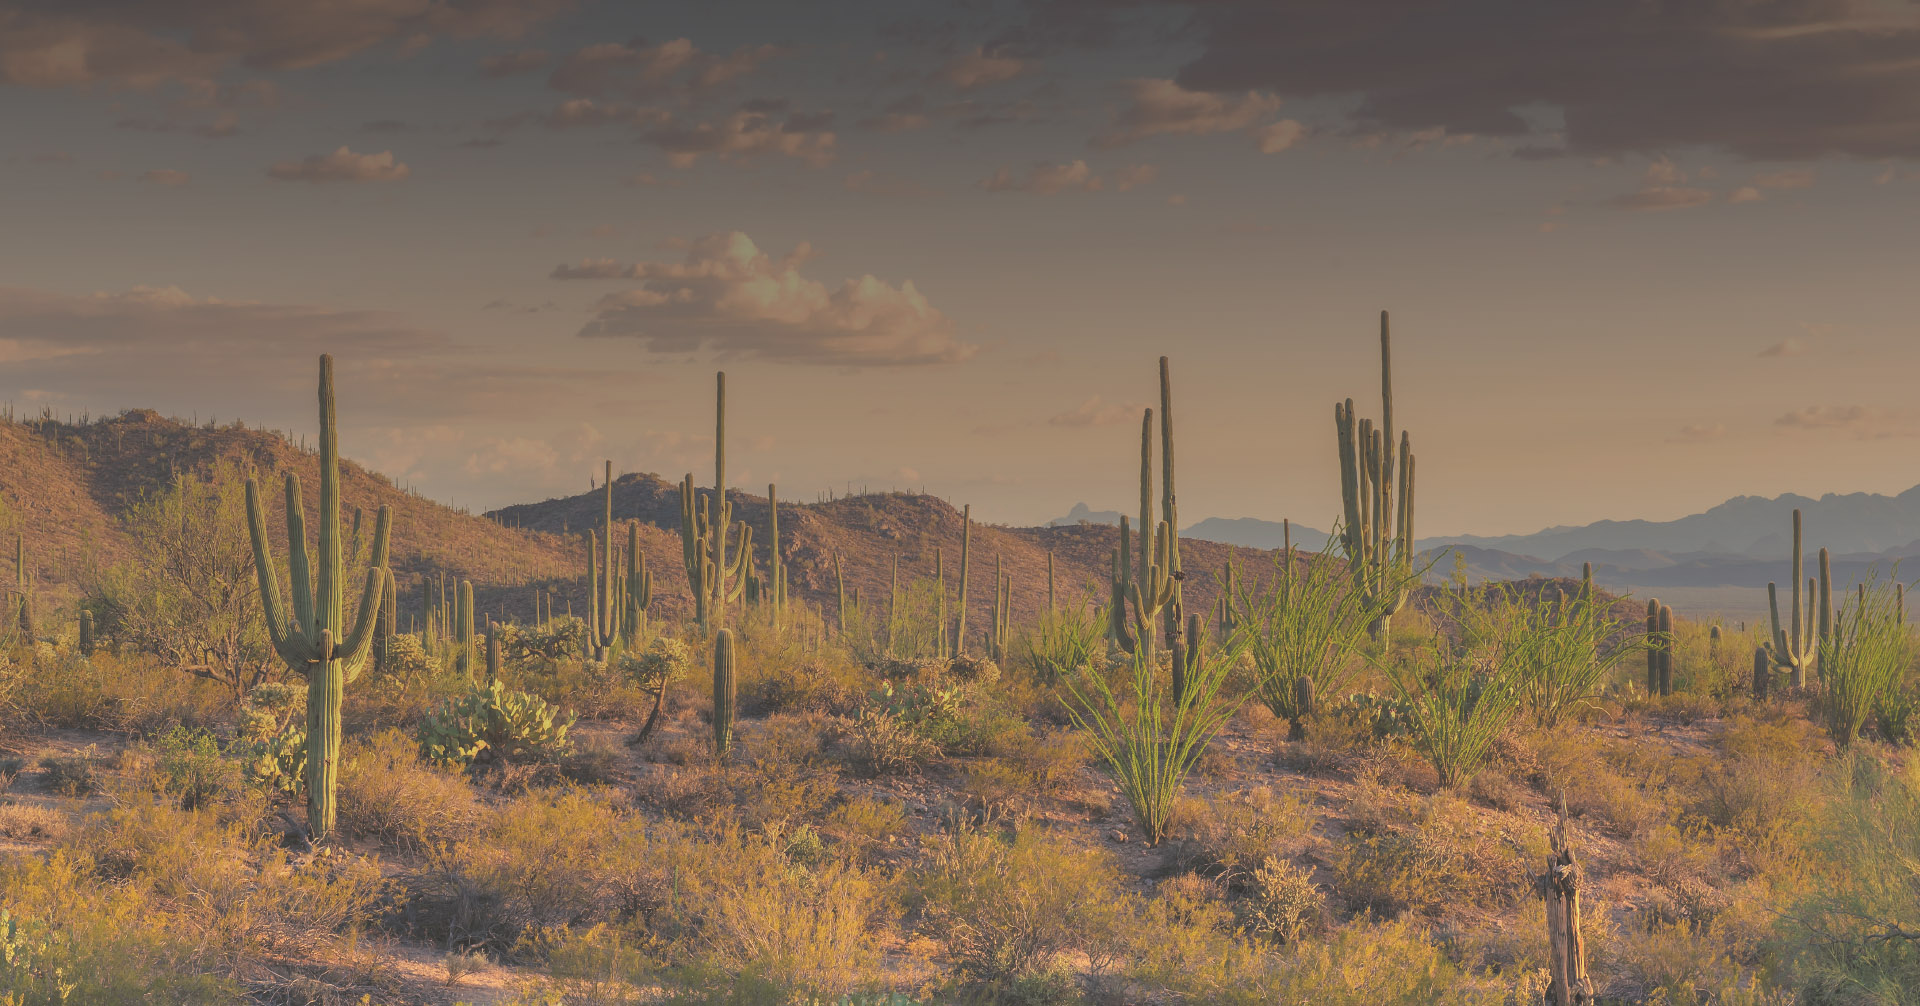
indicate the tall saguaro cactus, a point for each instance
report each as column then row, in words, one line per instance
column 603, row 610
column 1377, row 532
column 966, row 548
column 1794, row 647
column 714, row 580
column 316, row 641
column 776, row 590
column 1152, row 587
column 726, row 684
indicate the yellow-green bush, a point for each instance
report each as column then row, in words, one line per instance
column 388, row 793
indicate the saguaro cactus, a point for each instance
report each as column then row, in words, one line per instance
column 1152, row 588
column 316, row 642
column 463, row 625
column 1000, row 633
column 776, row 565
column 703, row 530
column 1377, row 531
column 23, row 583
column 86, row 633
column 1762, row 673
column 1794, row 647
column 1666, row 649
column 493, row 651
column 840, row 594
column 966, row 548
column 603, row 609
column 725, row 692
column 639, row 587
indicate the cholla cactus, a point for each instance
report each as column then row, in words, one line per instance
column 316, row 641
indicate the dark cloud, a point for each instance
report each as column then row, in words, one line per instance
column 1765, row 79
column 138, row 43
column 506, row 64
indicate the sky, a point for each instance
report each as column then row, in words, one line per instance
column 1639, row 257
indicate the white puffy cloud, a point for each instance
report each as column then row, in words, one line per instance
column 728, row 295
column 743, row 135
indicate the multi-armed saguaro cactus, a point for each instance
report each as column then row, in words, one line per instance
column 704, row 527
column 316, row 642
column 604, row 616
column 1377, row 531
column 637, row 592
column 725, row 692
column 1795, row 647
column 1152, row 588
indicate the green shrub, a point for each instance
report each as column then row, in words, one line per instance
column 192, row 770
column 1864, row 659
column 1456, row 705
column 491, row 723
column 1065, row 641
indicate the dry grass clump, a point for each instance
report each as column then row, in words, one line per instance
column 25, row 822
column 389, row 794
column 1445, row 857
column 1234, row 834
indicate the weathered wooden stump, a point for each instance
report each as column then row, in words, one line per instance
column 1567, row 949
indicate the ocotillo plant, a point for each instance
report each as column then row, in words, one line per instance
column 316, row 641
column 1796, row 646
column 1153, row 587
column 703, row 531
column 725, row 692
column 1378, row 498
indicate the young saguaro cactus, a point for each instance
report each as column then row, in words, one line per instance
column 316, row 642
column 704, row 528
column 1795, row 646
column 1152, row 588
column 1377, row 532
column 639, row 591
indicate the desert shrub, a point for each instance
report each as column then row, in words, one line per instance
column 72, row 775
column 1150, row 738
column 1702, row 667
column 25, row 822
column 653, row 671
column 491, row 723
column 100, row 943
column 1446, row 856
column 865, row 818
column 1457, row 699
column 879, row 742
column 1235, row 833
column 191, row 769
column 1282, row 904
column 136, row 693
column 545, row 861
column 408, row 659
column 1853, row 934
column 1008, row 908
column 387, row 793
column 1864, row 659
column 1585, row 769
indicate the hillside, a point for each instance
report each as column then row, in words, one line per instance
column 869, row 530
column 67, row 487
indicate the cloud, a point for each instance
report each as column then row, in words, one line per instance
column 1664, row 197
column 1789, row 346
column 139, row 44
column 1157, row 107
column 978, row 68
column 1789, row 80
column 1745, row 194
column 1046, row 179
column 165, row 176
column 1278, row 136
column 1753, row 191
column 1698, row 433
column 1858, row 419
column 506, row 64
column 895, row 122
column 743, row 135
column 639, row 71
column 1095, row 412
column 342, row 165
column 730, row 296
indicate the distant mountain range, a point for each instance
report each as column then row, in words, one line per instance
column 1742, row 542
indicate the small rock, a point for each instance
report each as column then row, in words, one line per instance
column 1117, row 835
